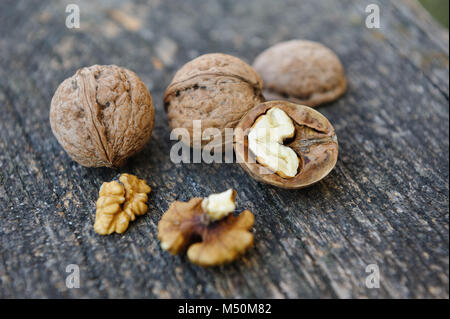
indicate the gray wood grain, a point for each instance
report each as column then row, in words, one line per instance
column 386, row 203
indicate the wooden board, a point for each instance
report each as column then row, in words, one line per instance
column 386, row 202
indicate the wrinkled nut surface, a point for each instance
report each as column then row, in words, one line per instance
column 102, row 115
column 302, row 72
column 217, row 89
column 120, row 203
column 314, row 143
column 221, row 241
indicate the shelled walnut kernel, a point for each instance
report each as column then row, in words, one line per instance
column 120, row 203
column 223, row 237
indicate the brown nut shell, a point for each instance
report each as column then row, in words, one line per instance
column 315, row 143
column 302, row 72
column 217, row 89
column 102, row 115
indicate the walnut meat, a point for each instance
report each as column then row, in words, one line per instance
column 209, row 241
column 102, row 115
column 302, row 72
column 110, row 216
column 284, row 157
column 266, row 139
column 217, row 89
column 120, row 203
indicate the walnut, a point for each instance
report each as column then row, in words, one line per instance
column 102, row 115
column 217, row 89
column 120, row 203
column 302, row 72
column 314, row 143
column 207, row 228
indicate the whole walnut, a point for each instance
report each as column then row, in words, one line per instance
column 102, row 115
column 302, row 72
column 217, row 89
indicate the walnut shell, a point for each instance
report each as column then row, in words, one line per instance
column 315, row 143
column 217, row 89
column 102, row 115
column 302, row 72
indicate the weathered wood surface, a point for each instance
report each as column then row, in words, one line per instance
column 386, row 203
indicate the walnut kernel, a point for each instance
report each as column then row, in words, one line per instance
column 120, row 203
column 218, row 206
column 221, row 241
column 266, row 138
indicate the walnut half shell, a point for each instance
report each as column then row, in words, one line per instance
column 314, row 142
column 302, row 72
column 102, row 115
